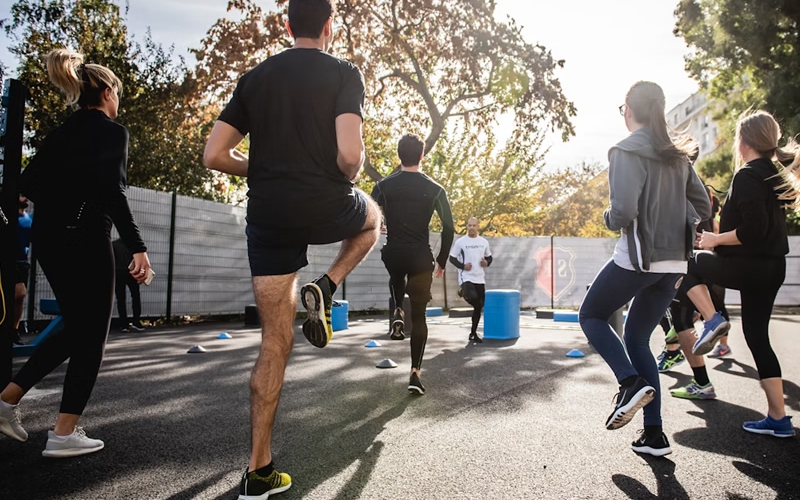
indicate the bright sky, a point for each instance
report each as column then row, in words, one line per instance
column 607, row 45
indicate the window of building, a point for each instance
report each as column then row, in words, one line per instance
column 706, row 121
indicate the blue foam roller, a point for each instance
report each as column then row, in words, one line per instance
column 434, row 311
column 339, row 314
column 501, row 314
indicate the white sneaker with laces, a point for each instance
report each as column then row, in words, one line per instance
column 10, row 423
column 77, row 443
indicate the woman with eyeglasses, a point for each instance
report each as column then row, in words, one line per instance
column 77, row 180
column 655, row 199
column 751, row 250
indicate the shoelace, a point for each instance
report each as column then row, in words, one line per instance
column 80, row 433
column 17, row 415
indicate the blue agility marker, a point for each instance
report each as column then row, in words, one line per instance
column 224, row 335
column 575, row 353
column 372, row 343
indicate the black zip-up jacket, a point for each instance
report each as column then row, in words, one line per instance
column 755, row 212
column 77, row 180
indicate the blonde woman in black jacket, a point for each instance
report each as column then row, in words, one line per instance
column 77, row 181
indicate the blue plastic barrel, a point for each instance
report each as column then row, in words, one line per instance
column 339, row 314
column 501, row 314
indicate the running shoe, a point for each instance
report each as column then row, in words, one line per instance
column 630, row 399
column 656, row 445
column 672, row 336
column 695, row 391
column 10, row 422
column 720, row 351
column 473, row 337
column 667, row 362
column 255, row 487
column 137, row 327
column 398, row 325
column 77, row 443
column 414, row 384
column 713, row 329
column 318, row 301
column 779, row 428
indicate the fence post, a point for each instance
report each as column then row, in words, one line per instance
column 552, row 274
column 171, row 264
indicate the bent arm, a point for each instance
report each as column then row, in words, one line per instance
column 221, row 154
column 350, row 143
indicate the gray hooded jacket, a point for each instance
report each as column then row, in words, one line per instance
column 655, row 205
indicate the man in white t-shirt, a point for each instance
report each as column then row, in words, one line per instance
column 470, row 255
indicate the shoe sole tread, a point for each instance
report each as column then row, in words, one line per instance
column 622, row 416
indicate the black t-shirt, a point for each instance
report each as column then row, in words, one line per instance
column 289, row 104
column 408, row 200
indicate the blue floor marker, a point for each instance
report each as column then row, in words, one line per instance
column 575, row 353
column 372, row 343
column 224, row 335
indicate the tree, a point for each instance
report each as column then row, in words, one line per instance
column 158, row 105
column 746, row 55
column 426, row 63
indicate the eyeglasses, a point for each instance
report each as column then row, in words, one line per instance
column 622, row 109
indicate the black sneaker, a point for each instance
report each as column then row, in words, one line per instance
column 255, row 487
column 656, row 445
column 18, row 340
column 318, row 301
column 473, row 337
column 414, row 384
column 630, row 399
column 398, row 325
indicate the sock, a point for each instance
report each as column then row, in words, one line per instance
column 701, row 375
column 653, row 430
column 628, row 380
column 6, row 405
column 672, row 354
column 265, row 471
column 331, row 284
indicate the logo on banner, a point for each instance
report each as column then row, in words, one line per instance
column 555, row 286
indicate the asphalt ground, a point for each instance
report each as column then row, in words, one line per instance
column 500, row 420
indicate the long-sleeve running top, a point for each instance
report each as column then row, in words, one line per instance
column 77, row 180
column 408, row 200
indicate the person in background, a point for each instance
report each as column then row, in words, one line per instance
column 22, row 268
column 123, row 280
column 471, row 256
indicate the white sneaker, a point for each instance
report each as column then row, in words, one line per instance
column 77, row 443
column 10, row 423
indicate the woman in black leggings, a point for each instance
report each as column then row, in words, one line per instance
column 750, row 252
column 77, row 181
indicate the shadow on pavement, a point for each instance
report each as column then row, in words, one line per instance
column 667, row 485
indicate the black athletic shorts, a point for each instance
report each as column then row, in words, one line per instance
column 22, row 272
column 276, row 251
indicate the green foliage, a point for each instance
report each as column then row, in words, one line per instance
column 167, row 124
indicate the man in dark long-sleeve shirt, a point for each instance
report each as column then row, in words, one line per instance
column 408, row 199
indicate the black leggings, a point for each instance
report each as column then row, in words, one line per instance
column 475, row 295
column 411, row 272
column 758, row 279
column 80, row 269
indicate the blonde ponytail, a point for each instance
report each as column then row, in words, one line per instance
column 789, row 157
column 62, row 66
column 81, row 83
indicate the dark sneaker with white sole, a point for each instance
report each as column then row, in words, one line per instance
column 781, row 428
column 256, row 487
column 630, row 399
column 656, row 445
column 414, row 384
column 473, row 337
column 318, row 301
column 398, row 325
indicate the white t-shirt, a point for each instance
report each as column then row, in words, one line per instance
column 471, row 250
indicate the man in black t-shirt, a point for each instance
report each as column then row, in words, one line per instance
column 303, row 110
column 408, row 199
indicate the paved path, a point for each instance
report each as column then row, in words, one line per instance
column 501, row 420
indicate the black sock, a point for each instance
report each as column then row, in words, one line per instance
column 672, row 354
column 266, row 470
column 653, row 430
column 700, row 375
column 629, row 380
column 331, row 283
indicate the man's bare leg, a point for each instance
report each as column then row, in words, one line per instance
column 355, row 249
column 276, row 299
